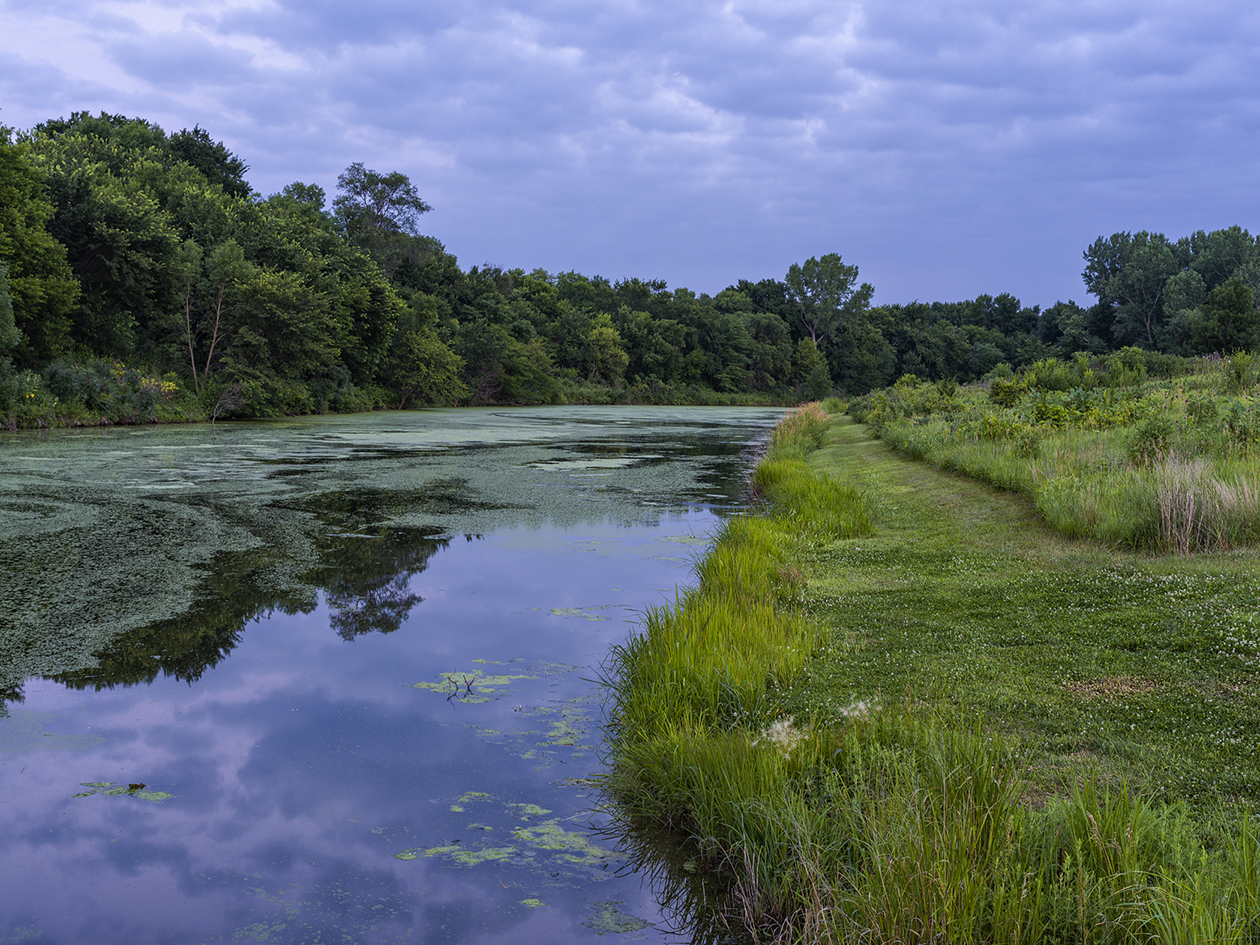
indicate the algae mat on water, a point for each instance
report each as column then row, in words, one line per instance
column 1146, row 670
column 113, row 538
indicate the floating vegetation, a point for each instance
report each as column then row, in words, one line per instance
column 467, row 856
column 566, row 850
column 458, row 806
column 583, row 612
column 526, row 811
column 572, row 844
column 109, row 789
column 607, row 919
column 569, row 729
column 621, row 462
column 472, row 686
column 532, row 903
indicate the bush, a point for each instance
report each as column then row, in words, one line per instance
column 1242, row 371
column 1126, row 368
column 1006, row 391
column 1152, row 442
column 109, row 390
column 1053, row 374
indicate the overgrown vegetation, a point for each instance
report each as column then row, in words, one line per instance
column 122, row 243
column 938, row 722
column 1137, row 450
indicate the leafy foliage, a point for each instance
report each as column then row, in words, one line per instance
column 123, row 242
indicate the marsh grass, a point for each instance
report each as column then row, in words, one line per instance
column 873, row 731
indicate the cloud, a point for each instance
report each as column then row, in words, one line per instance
column 947, row 147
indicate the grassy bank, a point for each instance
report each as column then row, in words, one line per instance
column 1103, row 450
column 897, row 709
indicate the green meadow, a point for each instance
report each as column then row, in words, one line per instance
column 906, row 704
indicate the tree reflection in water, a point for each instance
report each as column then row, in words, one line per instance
column 365, row 577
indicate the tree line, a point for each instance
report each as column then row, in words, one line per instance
column 137, row 267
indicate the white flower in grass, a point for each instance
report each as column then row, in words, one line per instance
column 859, row 709
column 782, row 734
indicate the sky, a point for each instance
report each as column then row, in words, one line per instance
column 947, row 149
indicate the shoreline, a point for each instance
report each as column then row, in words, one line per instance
column 843, row 729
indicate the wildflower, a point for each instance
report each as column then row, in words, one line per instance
column 859, row 709
column 782, row 735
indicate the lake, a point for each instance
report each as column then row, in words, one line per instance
column 334, row 679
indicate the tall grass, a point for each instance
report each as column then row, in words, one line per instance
column 868, row 825
column 1169, row 467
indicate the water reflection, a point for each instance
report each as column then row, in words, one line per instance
column 322, row 784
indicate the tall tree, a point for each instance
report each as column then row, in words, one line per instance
column 212, row 158
column 825, row 292
column 42, row 289
column 380, row 214
column 1128, row 273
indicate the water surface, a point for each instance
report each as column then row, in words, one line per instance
column 330, row 679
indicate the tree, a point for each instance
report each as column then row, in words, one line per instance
column 823, row 291
column 42, row 289
column 206, row 284
column 1219, row 255
column 1128, row 273
column 606, row 359
column 212, row 158
column 431, row 371
column 379, row 213
column 809, row 370
column 1227, row 321
column 9, row 337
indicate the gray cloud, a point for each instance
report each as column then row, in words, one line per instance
column 948, row 148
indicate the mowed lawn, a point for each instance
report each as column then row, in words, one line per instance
column 1142, row 670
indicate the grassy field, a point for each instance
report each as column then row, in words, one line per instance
column 1146, row 669
column 937, row 720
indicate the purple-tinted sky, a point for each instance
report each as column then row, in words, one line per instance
column 946, row 148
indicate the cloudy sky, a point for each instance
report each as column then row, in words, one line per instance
column 946, row 147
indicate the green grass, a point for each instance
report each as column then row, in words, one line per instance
column 942, row 721
column 1169, row 465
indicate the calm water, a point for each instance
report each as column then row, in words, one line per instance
column 330, row 680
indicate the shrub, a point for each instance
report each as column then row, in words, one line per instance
column 109, row 390
column 1242, row 371
column 1006, row 391
column 1053, row 374
column 1152, row 442
column 1126, row 368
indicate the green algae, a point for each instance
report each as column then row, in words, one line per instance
column 569, row 729
column 526, row 811
column 532, row 903
column 468, row 798
column 468, row 856
column 607, row 919
column 582, row 612
column 573, row 845
column 109, row 789
column 566, row 852
column 471, row 684
column 110, row 531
